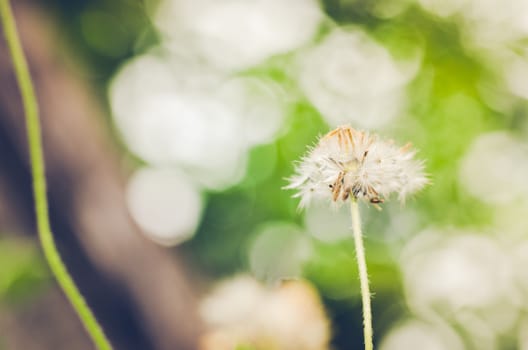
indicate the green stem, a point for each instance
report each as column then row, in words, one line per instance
column 363, row 275
column 39, row 181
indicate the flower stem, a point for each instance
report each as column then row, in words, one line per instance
column 363, row 275
column 39, row 181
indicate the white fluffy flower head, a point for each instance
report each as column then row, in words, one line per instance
column 347, row 163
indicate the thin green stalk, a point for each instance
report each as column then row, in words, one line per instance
column 363, row 275
column 39, row 181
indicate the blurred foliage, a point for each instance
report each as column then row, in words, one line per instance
column 245, row 347
column 445, row 113
column 22, row 271
column 103, row 33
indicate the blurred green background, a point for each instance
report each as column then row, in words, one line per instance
column 211, row 102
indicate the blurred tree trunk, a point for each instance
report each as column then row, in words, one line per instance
column 138, row 291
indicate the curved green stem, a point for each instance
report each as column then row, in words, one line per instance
column 39, row 181
column 363, row 275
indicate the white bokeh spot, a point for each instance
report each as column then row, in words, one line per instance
column 279, row 251
column 237, row 34
column 165, row 204
column 495, row 168
column 352, row 79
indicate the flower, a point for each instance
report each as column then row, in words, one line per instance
column 350, row 163
column 241, row 311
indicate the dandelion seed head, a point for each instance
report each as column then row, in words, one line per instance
column 347, row 163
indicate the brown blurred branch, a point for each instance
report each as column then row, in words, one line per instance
column 118, row 270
